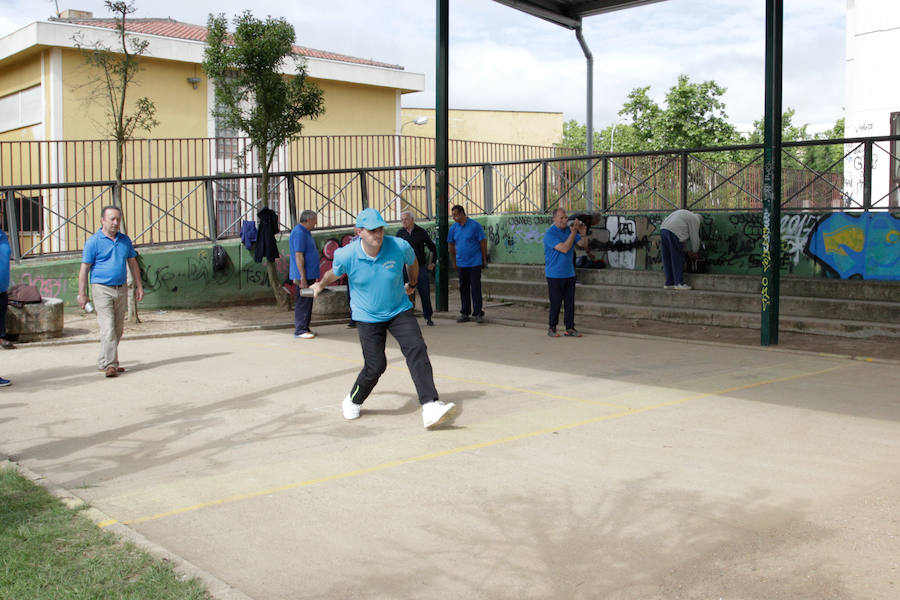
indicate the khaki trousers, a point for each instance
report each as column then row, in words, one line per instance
column 110, row 304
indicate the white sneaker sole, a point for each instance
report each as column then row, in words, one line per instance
column 451, row 410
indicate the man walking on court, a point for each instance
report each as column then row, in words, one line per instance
column 559, row 250
column 380, row 304
column 418, row 239
column 679, row 227
column 105, row 258
column 304, row 270
column 467, row 247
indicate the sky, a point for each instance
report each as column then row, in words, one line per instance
column 503, row 59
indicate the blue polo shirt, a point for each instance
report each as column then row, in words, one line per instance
column 4, row 262
column 468, row 242
column 376, row 284
column 558, row 265
column 301, row 240
column 108, row 257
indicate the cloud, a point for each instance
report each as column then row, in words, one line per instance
column 501, row 58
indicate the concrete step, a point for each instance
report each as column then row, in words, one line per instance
column 720, row 318
column 848, row 308
column 701, row 299
column 876, row 291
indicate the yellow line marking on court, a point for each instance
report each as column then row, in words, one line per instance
column 451, row 451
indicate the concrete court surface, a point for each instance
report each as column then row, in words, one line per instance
column 608, row 467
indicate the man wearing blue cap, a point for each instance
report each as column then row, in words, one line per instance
column 380, row 304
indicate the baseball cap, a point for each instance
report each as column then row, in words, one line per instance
column 370, row 219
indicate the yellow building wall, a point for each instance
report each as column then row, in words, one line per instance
column 20, row 74
column 180, row 109
column 352, row 109
column 500, row 126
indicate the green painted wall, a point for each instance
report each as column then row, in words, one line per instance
column 183, row 277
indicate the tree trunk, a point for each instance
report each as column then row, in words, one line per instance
column 281, row 298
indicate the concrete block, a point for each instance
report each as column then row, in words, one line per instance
column 333, row 303
column 35, row 322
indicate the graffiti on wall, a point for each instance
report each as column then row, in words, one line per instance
column 49, row 287
column 625, row 242
column 865, row 246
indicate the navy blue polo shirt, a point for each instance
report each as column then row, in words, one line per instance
column 301, row 240
column 558, row 265
column 467, row 238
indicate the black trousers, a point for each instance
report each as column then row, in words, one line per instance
column 470, row 290
column 372, row 338
column 4, row 304
column 302, row 313
column 562, row 293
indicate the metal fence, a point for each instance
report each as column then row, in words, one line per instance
column 187, row 190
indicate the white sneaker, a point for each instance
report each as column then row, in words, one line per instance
column 668, row 287
column 351, row 410
column 435, row 413
column 306, row 335
column 682, row 286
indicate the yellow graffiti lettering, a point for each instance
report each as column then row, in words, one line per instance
column 850, row 236
column 892, row 236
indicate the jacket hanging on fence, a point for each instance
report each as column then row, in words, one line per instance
column 248, row 233
column 266, row 247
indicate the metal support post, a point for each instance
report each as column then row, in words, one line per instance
column 441, row 152
column 488, row 189
column 545, row 186
column 292, row 201
column 867, row 175
column 429, row 205
column 12, row 223
column 363, row 190
column 604, row 182
column 771, row 232
column 211, row 211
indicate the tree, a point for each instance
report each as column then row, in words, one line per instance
column 789, row 131
column 254, row 95
column 118, row 69
column 693, row 117
column 116, row 72
column 830, row 157
column 816, row 158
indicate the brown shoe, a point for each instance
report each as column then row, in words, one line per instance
column 112, row 371
column 120, row 369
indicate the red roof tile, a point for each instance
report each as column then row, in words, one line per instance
column 186, row 31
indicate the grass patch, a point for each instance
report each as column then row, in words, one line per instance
column 49, row 551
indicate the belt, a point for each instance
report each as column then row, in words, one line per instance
column 121, row 285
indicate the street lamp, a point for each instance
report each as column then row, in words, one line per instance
column 420, row 120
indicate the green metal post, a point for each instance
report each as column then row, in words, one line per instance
column 441, row 155
column 771, row 232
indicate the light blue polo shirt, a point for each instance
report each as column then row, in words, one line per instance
column 558, row 265
column 301, row 240
column 108, row 257
column 468, row 243
column 376, row 284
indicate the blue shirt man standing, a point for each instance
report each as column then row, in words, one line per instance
column 380, row 305
column 559, row 250
column 106, row 256
column 4, row 296
column 467, row 247
column 304, row 270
